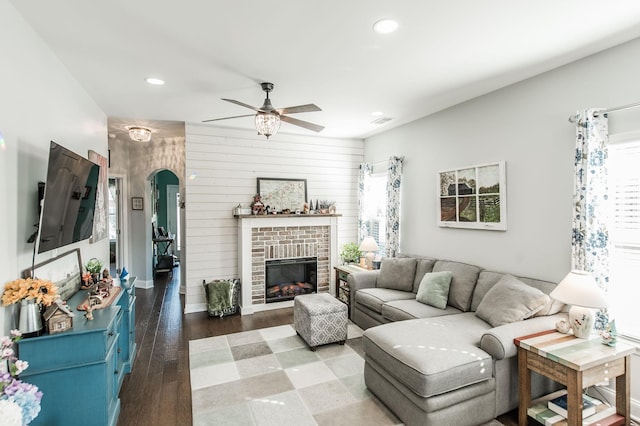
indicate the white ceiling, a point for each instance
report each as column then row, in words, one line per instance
column 321, row 52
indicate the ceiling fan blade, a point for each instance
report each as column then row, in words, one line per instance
column 305, row 124
column 227, row 118
column 233, row 101
column 299, row 108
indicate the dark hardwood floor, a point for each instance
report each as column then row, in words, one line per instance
column 158, row 390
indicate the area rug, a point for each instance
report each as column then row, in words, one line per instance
column 271, row 377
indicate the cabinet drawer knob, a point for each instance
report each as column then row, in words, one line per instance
column 111, row 333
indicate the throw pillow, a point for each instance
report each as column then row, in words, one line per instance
column 434, row 289
column 510, row 300
column 397, row 273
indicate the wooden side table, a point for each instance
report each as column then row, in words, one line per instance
column 576, row 364
column 341, row 290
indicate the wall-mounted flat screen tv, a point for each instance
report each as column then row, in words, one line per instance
column 69, row 199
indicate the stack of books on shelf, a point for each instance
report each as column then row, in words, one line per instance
column 551, row 410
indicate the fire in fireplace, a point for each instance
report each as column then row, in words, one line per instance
column 287, row 278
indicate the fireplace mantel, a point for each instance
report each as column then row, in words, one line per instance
column 282, row 216
column 269, row 225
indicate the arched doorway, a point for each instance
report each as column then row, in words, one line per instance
column 165, row 221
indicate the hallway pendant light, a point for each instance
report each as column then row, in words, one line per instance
column 267, row 123
column 140, row 134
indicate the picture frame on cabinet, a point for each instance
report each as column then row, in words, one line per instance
column 65, row 271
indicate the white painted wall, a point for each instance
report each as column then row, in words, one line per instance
column 139, row 162
column 40, row 102
column 526, row 126
column 221, row 168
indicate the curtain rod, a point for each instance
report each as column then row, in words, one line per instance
column 573, row 118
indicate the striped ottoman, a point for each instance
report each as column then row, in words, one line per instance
column 320, row 319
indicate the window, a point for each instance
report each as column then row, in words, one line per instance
column 375, row 210
column 624, row 233
column 113, row 210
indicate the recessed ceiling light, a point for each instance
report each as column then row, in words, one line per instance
column 154, row 81
column 385, row 26
column 377, row 113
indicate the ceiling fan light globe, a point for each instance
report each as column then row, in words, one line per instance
column 267, row 124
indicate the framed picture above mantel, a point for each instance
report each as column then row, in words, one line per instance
column 283, row 194
column 473, row 197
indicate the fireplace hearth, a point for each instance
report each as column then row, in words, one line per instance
column 287, row 278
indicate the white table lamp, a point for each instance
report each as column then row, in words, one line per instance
column 369, row 245
column 580, row 290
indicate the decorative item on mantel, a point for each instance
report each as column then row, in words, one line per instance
column 19, row 401
column 239, row 210
column 258, row 207
column 326, row 207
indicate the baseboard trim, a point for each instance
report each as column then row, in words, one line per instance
column 244, row 310
column 191, row 308
column 610, row 395
column 144, row 284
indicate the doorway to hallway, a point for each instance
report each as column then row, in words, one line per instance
column 115, row 226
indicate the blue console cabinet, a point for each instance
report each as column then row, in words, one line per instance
column 80, row 371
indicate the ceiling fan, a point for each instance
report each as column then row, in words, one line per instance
column 268, row 118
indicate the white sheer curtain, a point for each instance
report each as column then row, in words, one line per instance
column 364, row 183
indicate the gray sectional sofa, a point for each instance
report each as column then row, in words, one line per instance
column 439, row 337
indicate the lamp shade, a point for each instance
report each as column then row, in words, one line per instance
column 369, row 244
column 579, row 288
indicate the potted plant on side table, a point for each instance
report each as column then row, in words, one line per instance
column 350, row 253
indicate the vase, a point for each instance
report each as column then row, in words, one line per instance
column 30, row 323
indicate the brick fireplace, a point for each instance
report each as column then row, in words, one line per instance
column 287, row 238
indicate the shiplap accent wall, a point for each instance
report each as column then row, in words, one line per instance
column 222, row 166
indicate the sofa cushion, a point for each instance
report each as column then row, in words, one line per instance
column 401, row 310
column 423, row 266
column 510, row 300
column 434, row 289
column 488, row 279
column 397, row 273
column 374, row 298
column 463, row 281
column 554, row 306
column 431, row 356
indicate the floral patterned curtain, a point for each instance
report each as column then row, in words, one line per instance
column 590, row 238
column 364, row 182
column 394, row 179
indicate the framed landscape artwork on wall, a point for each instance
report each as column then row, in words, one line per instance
column 473, row 197
column 281, row 194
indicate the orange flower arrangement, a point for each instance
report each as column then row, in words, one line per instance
column 43, row 291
